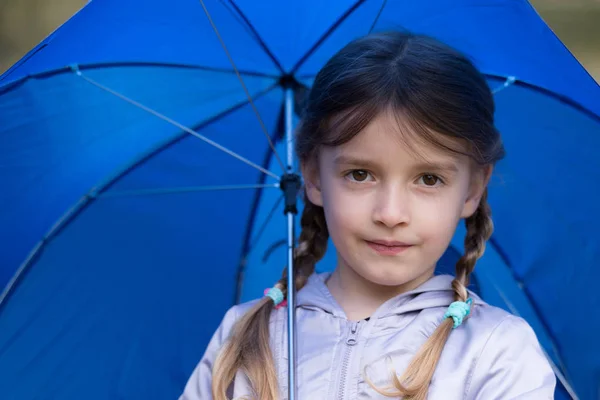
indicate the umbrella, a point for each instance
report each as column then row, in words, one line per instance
column 141, row 194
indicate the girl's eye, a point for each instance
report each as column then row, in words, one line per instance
column 430, row 180
column 358, row 175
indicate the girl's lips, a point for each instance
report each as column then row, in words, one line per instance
column 388, row 248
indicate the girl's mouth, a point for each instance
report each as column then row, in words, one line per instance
column 388, row 248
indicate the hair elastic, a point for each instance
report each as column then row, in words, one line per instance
column 458, row 310
column 276, row 294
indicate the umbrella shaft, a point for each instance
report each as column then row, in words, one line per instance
column 291, row 312
column 291, row 240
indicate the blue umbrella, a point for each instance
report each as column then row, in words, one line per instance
column 141, row 199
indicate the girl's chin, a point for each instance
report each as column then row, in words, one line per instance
column 395, row 279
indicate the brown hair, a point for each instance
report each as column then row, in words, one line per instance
column 442, row 95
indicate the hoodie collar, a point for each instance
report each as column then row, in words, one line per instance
column 436, row 292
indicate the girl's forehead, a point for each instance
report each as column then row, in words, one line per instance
column 391, row 135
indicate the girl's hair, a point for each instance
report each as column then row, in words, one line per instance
column 440, row 95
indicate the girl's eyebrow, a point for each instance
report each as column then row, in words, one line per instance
column 437, row 166
column 344, row 159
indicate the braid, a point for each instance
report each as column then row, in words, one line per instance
column 479, row 230
column 312, row 245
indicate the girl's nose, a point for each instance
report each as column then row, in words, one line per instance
column 391, row 207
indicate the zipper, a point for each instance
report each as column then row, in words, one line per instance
column 351, row 340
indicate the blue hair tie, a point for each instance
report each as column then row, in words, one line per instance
column 276, row 294
column 458, row 311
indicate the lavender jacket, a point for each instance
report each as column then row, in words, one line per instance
column 493, row 355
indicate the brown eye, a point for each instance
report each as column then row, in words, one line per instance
column 359, row 175
column 430, row 180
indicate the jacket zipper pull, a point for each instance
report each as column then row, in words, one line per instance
column 351, row 340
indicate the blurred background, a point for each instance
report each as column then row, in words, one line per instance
column 24, row 23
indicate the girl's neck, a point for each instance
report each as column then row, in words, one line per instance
column 360, row 298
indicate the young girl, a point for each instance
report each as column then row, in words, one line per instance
column 397, row 145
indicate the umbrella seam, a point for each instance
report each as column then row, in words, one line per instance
column 257, row 37
column 326, row 35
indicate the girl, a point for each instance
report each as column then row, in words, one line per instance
column 397, row 145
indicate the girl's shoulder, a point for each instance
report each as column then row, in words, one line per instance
column 497, row 331
column 499, row 327
column 508, row 354
column 486, row 319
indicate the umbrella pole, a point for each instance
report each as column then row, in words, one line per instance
column 290, row 184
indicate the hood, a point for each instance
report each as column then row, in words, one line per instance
column 436, row 292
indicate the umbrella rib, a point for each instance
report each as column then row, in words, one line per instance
column 508, row 82
column 248, row 248
column 189, row 189
column 263, row 226
column 260, row 121
column 327, row 33
column 258, row 38
column 175, row 123
column 378, row 15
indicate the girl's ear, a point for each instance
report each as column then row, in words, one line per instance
column 312, row 183
column 477, row 187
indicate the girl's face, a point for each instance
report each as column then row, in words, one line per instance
column 392, row 208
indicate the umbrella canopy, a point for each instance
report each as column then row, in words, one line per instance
column 126, row 233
